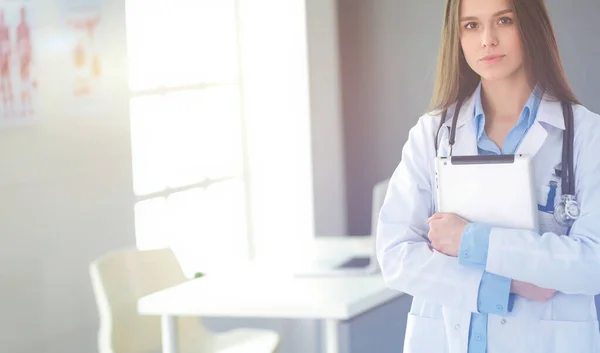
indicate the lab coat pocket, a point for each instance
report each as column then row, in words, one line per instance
column 569, row 337
column 425, row 335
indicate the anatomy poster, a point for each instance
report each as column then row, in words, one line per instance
column 18, row 82
column 82, row 18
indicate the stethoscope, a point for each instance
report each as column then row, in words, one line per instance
column 568, row 210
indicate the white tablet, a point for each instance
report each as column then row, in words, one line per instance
column 496, row 190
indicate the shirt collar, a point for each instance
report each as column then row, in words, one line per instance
column 529, row 112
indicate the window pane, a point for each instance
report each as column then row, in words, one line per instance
column 184, row 137
column 227, row 217
column 210, row 227
column 187, row 211
column 151, row 224
column 205, row 227
column 181, row 42
column 173, row 221
column 148, row 142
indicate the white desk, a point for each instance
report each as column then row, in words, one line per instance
column 268, row 294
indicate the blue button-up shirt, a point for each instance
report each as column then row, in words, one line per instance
column 494, row 291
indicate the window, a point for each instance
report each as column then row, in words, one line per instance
column 186, row 130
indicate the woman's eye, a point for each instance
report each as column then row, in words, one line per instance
column 505, row 21
column 471, row 25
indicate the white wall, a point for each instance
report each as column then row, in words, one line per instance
column 65, row 195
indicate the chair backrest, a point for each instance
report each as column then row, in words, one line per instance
column 119, row 279
column 379, row 192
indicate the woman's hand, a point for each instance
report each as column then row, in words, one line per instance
column 445, row 232
column 531, row 291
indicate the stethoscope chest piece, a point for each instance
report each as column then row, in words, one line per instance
column 567, row 211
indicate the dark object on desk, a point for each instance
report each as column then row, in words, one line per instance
column 356, row 262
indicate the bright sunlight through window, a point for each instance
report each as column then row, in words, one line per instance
column 186, row 130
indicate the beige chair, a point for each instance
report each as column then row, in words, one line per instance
column 379, row 193
column 120, row 278
column 378, row 197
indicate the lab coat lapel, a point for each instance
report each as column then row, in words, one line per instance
column 550, row 113
column 533, row 141
column 466, row 140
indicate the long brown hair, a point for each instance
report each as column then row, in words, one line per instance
column 456, row 80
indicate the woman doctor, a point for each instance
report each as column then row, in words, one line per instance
column 477, row 288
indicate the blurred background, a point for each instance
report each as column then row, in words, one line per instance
column 228, row 130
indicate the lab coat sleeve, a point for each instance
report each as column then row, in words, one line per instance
column 494, row 291
column 407, row 261
column 566, row 263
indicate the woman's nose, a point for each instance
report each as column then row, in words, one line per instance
column 489, row 38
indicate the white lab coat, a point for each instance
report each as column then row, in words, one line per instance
column 445, row 292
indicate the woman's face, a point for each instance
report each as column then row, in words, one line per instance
column 490, row 39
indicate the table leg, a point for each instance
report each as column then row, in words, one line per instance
column 169, row 334
column 330, row 336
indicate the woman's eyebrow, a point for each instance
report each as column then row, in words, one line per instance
column 473, row 18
